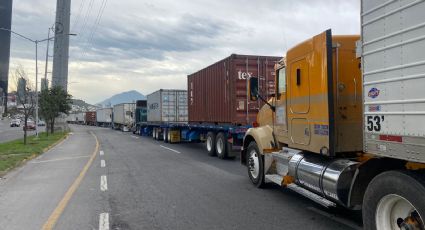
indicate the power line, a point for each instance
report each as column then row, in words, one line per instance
column 77, row 18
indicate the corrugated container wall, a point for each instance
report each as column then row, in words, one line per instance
column 90, row 117
column 167, row 105
column 123, row 113
column 104, row 115
column 393, row 64
column 218, row 93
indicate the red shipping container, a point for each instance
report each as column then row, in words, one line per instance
column 91, row 118
column 218, row 94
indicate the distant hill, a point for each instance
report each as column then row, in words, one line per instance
column 125, row 97
column 80, row 103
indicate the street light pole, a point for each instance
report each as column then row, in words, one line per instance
column 36, row 67
column 47, row 57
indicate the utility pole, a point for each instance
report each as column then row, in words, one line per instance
column 5, row 22
column 61, row 47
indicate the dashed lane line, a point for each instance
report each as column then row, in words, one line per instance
column 102, row 163
column 173, row 150
column 101, row 153
column 103, row 183
column 104, row 221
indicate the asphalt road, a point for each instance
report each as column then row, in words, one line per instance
column 8, row 133
column 138, row 183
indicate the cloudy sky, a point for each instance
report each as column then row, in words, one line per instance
column 146, row 45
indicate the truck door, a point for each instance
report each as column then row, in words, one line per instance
column 299, row 101
column 281, row 124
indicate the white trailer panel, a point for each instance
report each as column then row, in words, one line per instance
column 80, row 118
column 104, row 115
column 393, row 65
column 124, row 113
column 167, row 106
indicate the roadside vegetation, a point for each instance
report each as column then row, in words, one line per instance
column 14, row 153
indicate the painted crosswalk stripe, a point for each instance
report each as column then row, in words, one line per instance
column 102, row 163
column 104, row 221
column 103, row 183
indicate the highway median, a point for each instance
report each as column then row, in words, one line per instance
column 15, row 153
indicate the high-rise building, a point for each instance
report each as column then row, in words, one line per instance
column 22, row 84
column 44, row 84
column 61, row 47
column 5, row 22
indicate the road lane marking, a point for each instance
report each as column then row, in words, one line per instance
column 348, row 223
column 104, row 221
column 103, row 183
column 134, row 137
column 53, row 218
column 59, row 159
column 102, row 163
column 169, row 149
column 101, row 153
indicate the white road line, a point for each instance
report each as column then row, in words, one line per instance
column 104, row 221
column 345, row 222
column 134, row 137
column 103, row 183
column 101, row 153
column 102, row 163
column 169, row 149
column 58, row 159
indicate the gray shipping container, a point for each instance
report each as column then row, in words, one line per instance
column 167, row 105
column 123, row 114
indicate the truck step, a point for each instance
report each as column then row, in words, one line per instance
column 274, row 178
column 277, row 179
column 312, row 196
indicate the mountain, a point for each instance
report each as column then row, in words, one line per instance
column 80, row 105
column 125, row 97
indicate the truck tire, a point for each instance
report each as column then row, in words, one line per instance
column 255, row 165
column 165, row 135
column 394, row 200
column 210, row 144
column 221, row 145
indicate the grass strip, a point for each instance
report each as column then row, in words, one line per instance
column 14, row 153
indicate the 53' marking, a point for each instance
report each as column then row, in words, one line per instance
column 374, row 123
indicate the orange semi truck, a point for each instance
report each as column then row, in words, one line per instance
column 347, row 124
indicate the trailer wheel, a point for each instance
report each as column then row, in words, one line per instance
column 255, row 165
column 165, row 135
column 210, row 143
column 221, row 146
column 395, row 200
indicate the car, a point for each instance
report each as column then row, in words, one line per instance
column 15, row 123
column 41, row 123
column 30, row 126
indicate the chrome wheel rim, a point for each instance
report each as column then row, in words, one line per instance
column 209, row 143
column 220, row 146
column 396, row 212
column 254, row 164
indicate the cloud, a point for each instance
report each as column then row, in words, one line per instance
column 147, row 45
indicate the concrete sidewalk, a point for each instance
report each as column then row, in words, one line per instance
column 28, row 195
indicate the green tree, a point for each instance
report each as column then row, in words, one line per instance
column 53, row 102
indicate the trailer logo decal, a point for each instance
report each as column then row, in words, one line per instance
column 322, row 130
column 244, row 75
column 374, row 108
column 373, row 93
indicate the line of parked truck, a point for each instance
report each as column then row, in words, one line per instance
column 215, row 109
column 342, row 118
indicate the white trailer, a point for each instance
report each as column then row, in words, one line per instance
column 123, row 116
column 104, row 116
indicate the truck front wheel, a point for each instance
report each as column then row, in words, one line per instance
column 255, row 165
column 395, row 200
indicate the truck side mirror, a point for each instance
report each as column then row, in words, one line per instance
column 253, row 88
